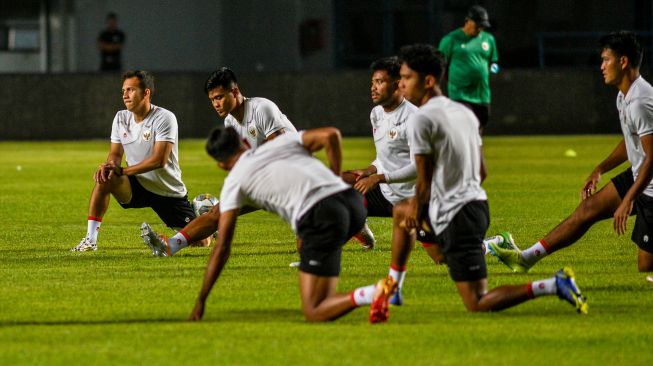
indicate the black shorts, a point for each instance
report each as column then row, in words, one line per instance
column 377, row 204
column 462, row 242
column 643, row 207
column 174, row 212
column 325, row 228
column 481, row 111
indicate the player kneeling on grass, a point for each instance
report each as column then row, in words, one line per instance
column 446, row 144
column 147, row 135
column 283, row 177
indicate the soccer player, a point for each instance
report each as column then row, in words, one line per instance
column 630, row 192
column 147, row 135
column 256, row 120
column 471, row 54
column 283, row 177
column 449, row 199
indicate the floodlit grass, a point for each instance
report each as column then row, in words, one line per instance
column 119, row 305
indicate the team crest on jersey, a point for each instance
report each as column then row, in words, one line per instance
column 485, row 46
column 147, row 135
column 392, row 134
column 252, row 131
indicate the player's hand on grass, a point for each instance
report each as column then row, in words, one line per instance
column 621, row 216
column 589, row 188
column 198, row 312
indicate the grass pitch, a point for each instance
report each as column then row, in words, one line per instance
column 119, row 305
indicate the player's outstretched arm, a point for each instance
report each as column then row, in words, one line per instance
column 218, row 259
column 616, row 157
column 329, row 139
column 643, row 178
column 424, row 164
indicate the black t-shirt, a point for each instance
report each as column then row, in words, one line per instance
column 110, row 60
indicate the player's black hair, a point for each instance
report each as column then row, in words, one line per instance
column 223, row 143
column 223, row 77
column 623, row 43
column 391, row 65
column 425, row 59
column 145, row 78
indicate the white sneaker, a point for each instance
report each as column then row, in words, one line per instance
column 157, row 243
column 84, row 246
column 366, row 237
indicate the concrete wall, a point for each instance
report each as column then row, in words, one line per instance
column 74, row 106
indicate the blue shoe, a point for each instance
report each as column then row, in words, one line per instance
column 567, row 290
column 397, row 299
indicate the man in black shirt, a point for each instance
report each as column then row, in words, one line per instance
column 110, row 43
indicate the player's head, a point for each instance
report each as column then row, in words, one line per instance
column 137, row 88
column 620, row 51
column 385, row 81
column 223, row 144
column 476, row 21
column 422, row 68
column 222, row 89
column 112, row 20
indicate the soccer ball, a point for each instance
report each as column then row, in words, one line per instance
column 203, row 203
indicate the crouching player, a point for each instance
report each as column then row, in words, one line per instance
column 283, row 177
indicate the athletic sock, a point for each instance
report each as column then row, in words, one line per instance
column 363, row 295
column 178, row 242
column 92, row 228
column 542, row 287
column 398, row 274
column 536, row 252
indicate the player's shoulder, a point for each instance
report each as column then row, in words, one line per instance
column 162, row 115
column 257, row 103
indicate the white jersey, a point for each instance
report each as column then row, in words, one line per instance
column 261, row 119
column 636, row 116
column 138, row 138
column 392, row 150
column 448, row 131
column 280, row 176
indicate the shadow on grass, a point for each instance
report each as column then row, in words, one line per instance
column 233, row 316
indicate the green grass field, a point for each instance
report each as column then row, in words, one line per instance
column 121, row 306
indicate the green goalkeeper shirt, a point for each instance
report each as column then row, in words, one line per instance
column 469, row 61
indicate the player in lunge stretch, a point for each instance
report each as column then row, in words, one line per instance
column 147, row 136
column 446, row 144
column 283, row 177
column 630, row 192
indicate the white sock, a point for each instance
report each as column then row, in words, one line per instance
column 398, row 276
column 363, row 295
column 92, row 228
column 178, row 242
column 496, row 240
column 533, row 254
column 544, row 287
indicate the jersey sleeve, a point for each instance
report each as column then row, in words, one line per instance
column 445, row 47
column 642, row 116
column 115, row 132
column 231, row 197
column 166, row 128
column 419, row 134
column 269, row 117
column 494, row 56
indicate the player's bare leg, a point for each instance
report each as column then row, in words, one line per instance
column 320, row 302
column 645, row 261
column 119, row 187
column 476, row 298
column 597, row 207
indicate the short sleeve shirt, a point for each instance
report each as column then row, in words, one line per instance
column 636, row 117
column 138, row 139
column 469, row 60
column 392, row 151
column 281, row 176
column 261, row 119
column 448, row 131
